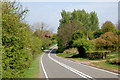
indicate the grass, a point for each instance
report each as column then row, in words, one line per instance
column 71, row 54
column 113, row 55
column 101, row 64
column 105, row 65
column 34, row 70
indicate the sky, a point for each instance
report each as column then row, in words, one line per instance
column 50, row 12
column 67, row 0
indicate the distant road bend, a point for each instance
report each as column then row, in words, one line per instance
column 54, row 67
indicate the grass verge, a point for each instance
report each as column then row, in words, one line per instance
column 34, row 70
column 106, row 66
column 99, row 63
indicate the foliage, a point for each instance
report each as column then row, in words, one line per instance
column 44, row 34
column 97, row 54
column 19, row 46
column 114, row 61
column 34, row 69
column 72, row 21
column 65, row 18
column 71, row 50
column 87, row 44
column 107, row 41
column 65, row 33
column 78, row 34
column 108, row 26
column 54, row 39
column 98, row 33
column 116, row 31
column 83, row 45
column 46, row 42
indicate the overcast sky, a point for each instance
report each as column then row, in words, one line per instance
column 49, row 12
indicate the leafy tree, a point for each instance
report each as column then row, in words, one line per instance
column 93, row 21
column 43, row 32
column 78, row 34
column 76, row 20
column 98, row 33
column 54, row 38
column 65, row 33
column 46, row 41
column 108, row 27
column 65, row 18
column 107, row 41
column 83, row 45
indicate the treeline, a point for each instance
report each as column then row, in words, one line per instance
column 80, row 29
column 20, row 45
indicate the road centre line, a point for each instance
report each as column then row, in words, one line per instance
column 71, row 69
column 89, row 66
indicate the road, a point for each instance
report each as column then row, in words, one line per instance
column 54, row 67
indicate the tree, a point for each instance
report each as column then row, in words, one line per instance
column 72, row 21
column 43, row 32
column 78, row 34
column 19, row 46
column 65, row 33
column 83, row 45
column 98, row 33
column 107, row 41
column 65, row 18
column 108, row 27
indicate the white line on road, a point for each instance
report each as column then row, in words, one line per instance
column 71, row 69
column 89, row 66
column 44, row 68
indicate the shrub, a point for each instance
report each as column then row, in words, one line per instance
column 107, row 41
column 114, row 61
column 96, row 54
column 77, row 34
column 98, row 33
column 19, row 46
column 71, row 50
column 108, row 26
column 83, row 45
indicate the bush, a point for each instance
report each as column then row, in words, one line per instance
column 19, row 46
column 78, row 34
column 83, row 45
column 107, row 41
column 114, row 61
column 71, row 50
column 46, row 42
column 108, row 26
column 96, row 54
column 98, row 33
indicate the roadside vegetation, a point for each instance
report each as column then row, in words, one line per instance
column 21, row 45
column 85, row 42
column 34, row 70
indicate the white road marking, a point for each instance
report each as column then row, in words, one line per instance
column 90, row 66
column 71, row 69
column 44, row 68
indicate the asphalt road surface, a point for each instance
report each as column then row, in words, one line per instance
column 54, row 67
